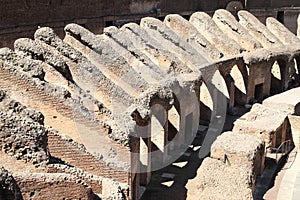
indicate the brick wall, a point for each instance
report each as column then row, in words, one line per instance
column 21, row 18
column 52, row 186
column 72, row 154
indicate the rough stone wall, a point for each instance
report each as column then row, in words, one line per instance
column 64, row 74
column 53, row 186
column 22, row 134
column 217, row 180
column 96, row 15
column 239, row 150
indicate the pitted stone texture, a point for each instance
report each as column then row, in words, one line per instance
column 234, row 30
column 95, row 69
column 109, row 61
column 22, row 134
column 258, row 30
column 209, row 29
column 185, row 29
column 8, row 186
column 20, row 64
column 28, row 69
column 237, row 149
column 135, row 49
column 36, row 51
column 216, row 180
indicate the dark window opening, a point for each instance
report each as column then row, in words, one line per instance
column 109, row 23
column 258, row 95
column 187, row 17
column 280, row 16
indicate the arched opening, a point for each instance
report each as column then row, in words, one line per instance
column 296, row 67
column 294, row 74
column 159, row 134
column 276, row 80
column 206, row 104
column 173, row 123
column 240, row 87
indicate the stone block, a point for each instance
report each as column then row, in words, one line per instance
column 238, row 149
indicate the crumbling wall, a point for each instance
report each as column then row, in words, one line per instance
column 22, row 134
column 53, row 186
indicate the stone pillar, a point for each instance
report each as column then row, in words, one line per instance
column 250, row 85
column 159, row 133
column 231, row 89
column 284, row 72
column 145, row 152
column 267, row 78
column 243, row 69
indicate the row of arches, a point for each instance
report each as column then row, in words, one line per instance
column 171, row 130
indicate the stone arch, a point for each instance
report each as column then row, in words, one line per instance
column 219, row 94
column 174, row 119
column 281, row 75
column 295, row 74
column 205, row 103
column 276, row 81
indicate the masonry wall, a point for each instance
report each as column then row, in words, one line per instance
column 52, row 186
column 22, row 18
column 67, row 151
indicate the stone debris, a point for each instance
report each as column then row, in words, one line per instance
column 22, row 133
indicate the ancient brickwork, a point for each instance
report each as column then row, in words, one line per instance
column 103, row 93
column 21, row 18
column 43, row 185
column 73, row 154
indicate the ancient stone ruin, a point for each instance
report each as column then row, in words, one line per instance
column 91, row 116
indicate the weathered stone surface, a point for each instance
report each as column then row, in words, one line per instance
column 234, row 30
column 216, row 180
column 20, row 64
column 101, row 90
column 209, row 29
column 261, row 121
column 288, row 102
column 184, row 28
column 258, row 30
column 237, row 149
column 282, row 33
column 43, row 185
column 22, row 134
